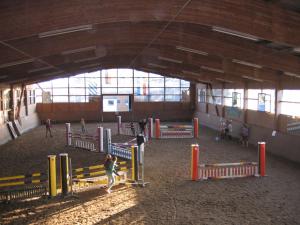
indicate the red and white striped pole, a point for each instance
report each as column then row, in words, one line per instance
column 196, row 127
column 157, row 128
column 262, row 159
column 194, row 162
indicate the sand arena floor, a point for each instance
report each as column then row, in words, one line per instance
column 170, row 198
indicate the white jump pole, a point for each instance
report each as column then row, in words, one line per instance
column 119, row 121
column 150, row 128
column 100, row 138
column 68, row 134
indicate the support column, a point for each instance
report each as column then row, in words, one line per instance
column 222, row 100
column 196, row 127
column 11, row 112
column 278, row 99
column 193, row 99
column 245, row 105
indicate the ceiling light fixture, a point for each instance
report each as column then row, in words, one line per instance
column 235, row 33
column 156, row 65
column 52, row 73
column 297, row 50
column 40, row 69
column 16, row 63
column 224, row 80
column 191, row 50
column 253, row 78
column 169, row 59
column 246, row 63
column 65, row 31
column 86, row 49
column 191, row 73
column 292, row 74
column 89, row 65
column 212, row 69
column 86, row 59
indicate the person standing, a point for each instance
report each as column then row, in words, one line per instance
column 82, row 122
column 132, row 128
column 142, row 124
column 109, row 170
column 48, row 127
column 245, row 135
column 228, row 130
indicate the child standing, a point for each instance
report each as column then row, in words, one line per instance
column 109, row 169
column 48, row 127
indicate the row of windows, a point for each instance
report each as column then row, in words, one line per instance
column 104, row 79
column 5, row 98
column 84, row 98
column 144, row 86
column 258, row 99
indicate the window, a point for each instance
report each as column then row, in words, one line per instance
column 202, row 95
column 290, row 104
column 31, row 97
column 261, row 100
column 6, row 99
column 215, row 96
column 88, row 87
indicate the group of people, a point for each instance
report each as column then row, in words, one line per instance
column 142, row 125
column 226, row 130
column 48, row 125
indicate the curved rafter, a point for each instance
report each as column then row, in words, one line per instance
column 160, row 36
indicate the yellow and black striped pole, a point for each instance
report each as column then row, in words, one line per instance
column 134, row 163
column 52, row 175
column 64, row 173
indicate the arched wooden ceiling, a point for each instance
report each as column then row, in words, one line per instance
column 199, row 40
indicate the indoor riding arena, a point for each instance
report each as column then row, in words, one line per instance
column 178, row 112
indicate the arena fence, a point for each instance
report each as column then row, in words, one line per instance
column 89, row 142
column 23, row 186
column 30, row 185
column 95, row 175
column 134, row 129
column 176, row 130
column 129, row 129
column 227, row 170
